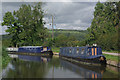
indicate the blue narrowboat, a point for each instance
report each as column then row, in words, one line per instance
column 35, row 49
column 86, row 53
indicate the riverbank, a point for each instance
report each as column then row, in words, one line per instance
column 112, row 60
column 56, row 50
column 5, row 58
column 111, row 51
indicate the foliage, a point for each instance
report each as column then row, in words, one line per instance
column 26, row 25
column 66, row 38
column 63, row 41
column 56, row 49
column 72, row 38
column 5, row 57
column 78, row 34
column 104, row 27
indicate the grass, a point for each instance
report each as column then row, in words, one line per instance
column 111, row 57
column 56, row 49
column 69, row 31
column 5, row 57
column 111, row 51
column 5, row 61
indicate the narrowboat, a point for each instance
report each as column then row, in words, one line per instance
column 92, row 54
column 37, row 50
column 12, row 49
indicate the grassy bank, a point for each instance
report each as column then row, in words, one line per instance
column 111, row 57
column 56, row 49
column 111, row 51
column 5, row 58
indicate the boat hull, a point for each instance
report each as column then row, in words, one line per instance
column 98, row 60
column 45, row 53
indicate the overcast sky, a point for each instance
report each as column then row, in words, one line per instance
column 67, row 15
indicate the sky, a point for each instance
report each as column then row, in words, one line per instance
column 67, row 14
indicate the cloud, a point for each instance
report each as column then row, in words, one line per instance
column 2, row 29
column 59, row 0
column 71, row 13
column 67, row 15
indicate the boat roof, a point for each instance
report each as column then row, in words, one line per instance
column 81, row 47
column 31, row 46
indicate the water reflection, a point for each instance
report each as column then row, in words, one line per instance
column 84, row 70
column 34, row 58
column 47, row 67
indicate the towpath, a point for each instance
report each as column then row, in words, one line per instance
column 115, row 54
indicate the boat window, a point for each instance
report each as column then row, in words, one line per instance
column 77, row 50
column 88, row 52
column 70, row 50
column 82, row 51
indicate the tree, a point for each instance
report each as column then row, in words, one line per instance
column 26, row 25
column 13, row 27
column 104, row 25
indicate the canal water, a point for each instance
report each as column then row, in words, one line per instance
column 22, row 66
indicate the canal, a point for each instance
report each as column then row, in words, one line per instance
column 22, row 66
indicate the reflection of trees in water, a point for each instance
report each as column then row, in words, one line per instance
column 30, row 69
column 27, row 69
column 54, row 62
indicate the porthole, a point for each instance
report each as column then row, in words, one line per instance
column 88, row 52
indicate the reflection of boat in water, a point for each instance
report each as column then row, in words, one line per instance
column 34, row 58
column 86, row 71
column 27, row 67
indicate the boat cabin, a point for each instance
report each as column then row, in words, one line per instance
column 33, row 49
column 82, row 51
